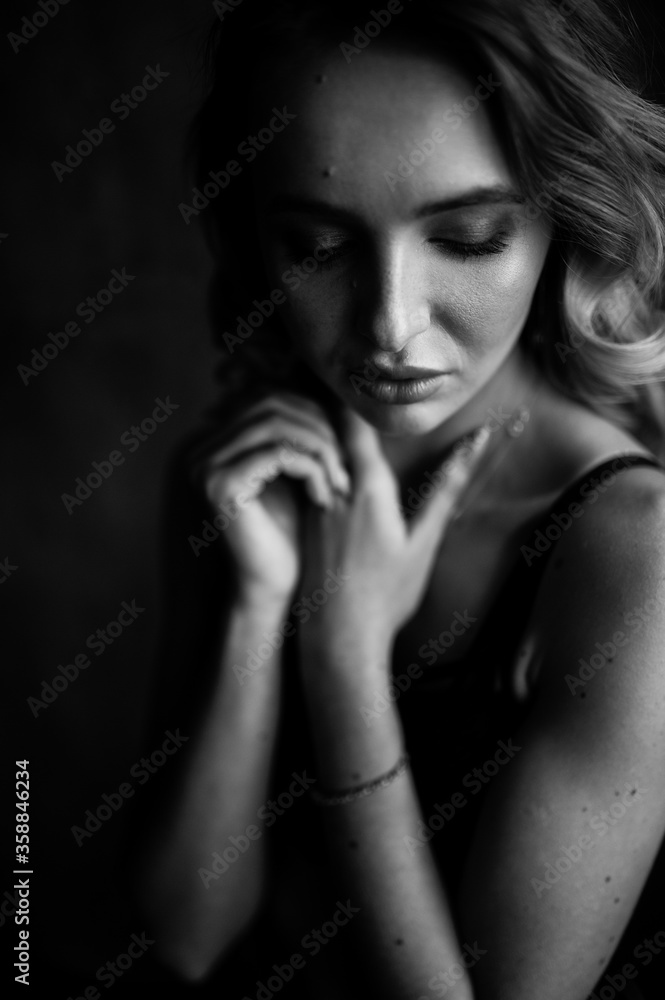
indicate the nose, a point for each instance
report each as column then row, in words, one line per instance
column 393, row 306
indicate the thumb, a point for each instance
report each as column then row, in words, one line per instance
column 452, row 479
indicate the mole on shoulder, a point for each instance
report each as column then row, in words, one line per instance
column 608, row 878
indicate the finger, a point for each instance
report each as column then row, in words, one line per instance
column 246, row 479
column 369, row 468
column 295, row 438
column 295, row 409
column 429, row 523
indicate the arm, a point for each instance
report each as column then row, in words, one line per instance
column 404, row 922
column 583, row 758
column 576, row 755
column 196, row 908
column 198, row 905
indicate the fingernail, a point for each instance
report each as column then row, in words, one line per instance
column 474, row 442
column 326, row 501
column 343, row 481
column 481, row 436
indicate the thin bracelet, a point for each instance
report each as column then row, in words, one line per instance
column 360, row 791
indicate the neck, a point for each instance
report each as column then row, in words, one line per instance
column 511, row 385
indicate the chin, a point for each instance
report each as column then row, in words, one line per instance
column 410, row 420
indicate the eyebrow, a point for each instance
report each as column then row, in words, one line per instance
column 498, row 194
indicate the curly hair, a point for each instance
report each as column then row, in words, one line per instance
column 586, row 146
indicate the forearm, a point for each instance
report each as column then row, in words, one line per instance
column 198, row 902
column 407, row 931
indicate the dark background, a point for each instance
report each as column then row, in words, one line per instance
column 59, row 241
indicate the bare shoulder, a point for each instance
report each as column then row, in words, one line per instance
column 614, row 526
column 599, row 617
column 567, row 438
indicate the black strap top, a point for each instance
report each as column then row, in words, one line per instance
column 499, row 634
column 460, row 714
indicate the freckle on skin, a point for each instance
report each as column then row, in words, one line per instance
column 617, row 900
column 607, row 878
column 399, row 941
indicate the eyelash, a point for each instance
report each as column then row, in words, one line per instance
column 464, row 251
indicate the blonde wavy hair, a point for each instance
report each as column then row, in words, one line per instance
column 586, row 145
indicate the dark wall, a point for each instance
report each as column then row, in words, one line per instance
column 75, row 565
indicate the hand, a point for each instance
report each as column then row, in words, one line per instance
column 249, row 478
column 384, row 562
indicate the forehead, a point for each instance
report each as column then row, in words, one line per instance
column 358, row 120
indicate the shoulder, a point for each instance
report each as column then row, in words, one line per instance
column 565, row 439
column 599, row 617
column 600, row 547
column 614, row 521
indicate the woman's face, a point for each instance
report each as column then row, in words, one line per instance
column 388, row 214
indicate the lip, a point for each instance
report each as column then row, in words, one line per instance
column 396, row 374
column 402, row 390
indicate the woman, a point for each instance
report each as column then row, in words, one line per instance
column 426, row 755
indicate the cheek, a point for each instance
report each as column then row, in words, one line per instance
column 490, row 306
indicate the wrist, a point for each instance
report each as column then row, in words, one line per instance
column 355, row 646
column 264, row 603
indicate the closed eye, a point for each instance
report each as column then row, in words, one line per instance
column 325, row 254
column 464, row 251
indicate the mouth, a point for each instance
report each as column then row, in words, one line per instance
column 402, row 373
column 398, row 386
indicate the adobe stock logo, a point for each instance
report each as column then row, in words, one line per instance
column 132, row 440
column 88, row 309
column 30, row 26
column 114, row 801
column 122, row 106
